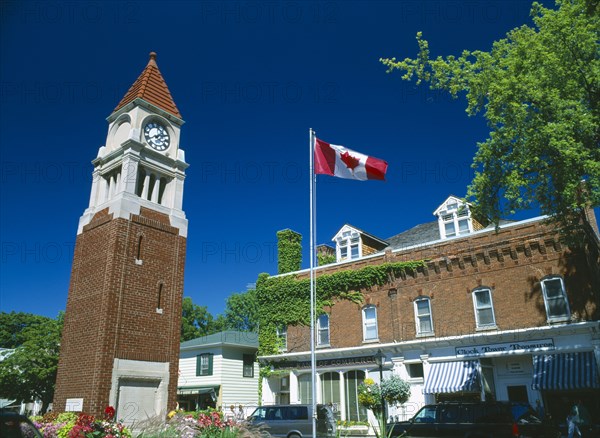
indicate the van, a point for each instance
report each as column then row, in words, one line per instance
column 294, row 421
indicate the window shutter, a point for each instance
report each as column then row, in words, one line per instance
column 198, row 365
column 210, row 364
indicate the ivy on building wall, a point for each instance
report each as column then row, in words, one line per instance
column 325, row 259
column 285, row 300
column 289, row 251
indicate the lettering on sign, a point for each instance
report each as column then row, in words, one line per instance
column 507, row 347
column 342, row 361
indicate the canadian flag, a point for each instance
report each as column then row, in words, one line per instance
column 334, row 160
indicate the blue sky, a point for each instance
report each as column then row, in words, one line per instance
column 250, row 78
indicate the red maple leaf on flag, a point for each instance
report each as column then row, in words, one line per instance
column 350, row 161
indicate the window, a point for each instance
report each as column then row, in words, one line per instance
column 159, row 298
column 354, row 410
column 370, row 323
column 330, row 388
column 323, row 330
column 282, row 336
column 415, row 370
column 305, row 388
column 425, row 415
column 248, row 365
column 484, row 308
column 423, row 316
column 139, row 248
column 348, row 245
column 555, row 299
column 204, row 364
column 454, row 218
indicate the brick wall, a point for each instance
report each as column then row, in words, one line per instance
column 111, row 308
column 511, row 262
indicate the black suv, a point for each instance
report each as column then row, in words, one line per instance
column 475, row 420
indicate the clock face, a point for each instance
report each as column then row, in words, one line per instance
column 157, row 136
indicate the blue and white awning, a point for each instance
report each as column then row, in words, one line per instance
column 565, row 371
column 452, row 377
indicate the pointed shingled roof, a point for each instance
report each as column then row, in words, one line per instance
column 151, row 87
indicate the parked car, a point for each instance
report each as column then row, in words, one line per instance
column 475, row 420
column 13, row 425
column 294, row 421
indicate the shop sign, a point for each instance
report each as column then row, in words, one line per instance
column 506, row 347
column 342, row 361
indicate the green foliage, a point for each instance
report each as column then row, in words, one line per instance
column 289, row 251
column 13, row 326
column 285, row 300
column 369, row 395
column 325, row 259
column 241, row 312
column 196, row 321
column 539, row 89
column 395, row 390
column 29, row 373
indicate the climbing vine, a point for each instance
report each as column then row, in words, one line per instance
column 325, row 259
column 289, row 251
column 285, row 300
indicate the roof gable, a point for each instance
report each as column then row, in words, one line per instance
column 354, row 230
column 449, row 202
column 151, row 87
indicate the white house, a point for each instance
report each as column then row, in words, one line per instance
column 219, row 371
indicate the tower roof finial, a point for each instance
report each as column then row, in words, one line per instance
column 151, row 87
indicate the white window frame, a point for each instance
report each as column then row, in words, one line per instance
column 323, row 329
column 552, row 318
column 477, row 308
column 418, row 317
column 454, row 212
column 282, row 334
column 345, row 243
column 369, row 323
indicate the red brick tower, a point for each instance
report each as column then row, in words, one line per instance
column 120, row 344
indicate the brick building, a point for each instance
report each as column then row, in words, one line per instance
column 506, row 314
column 120, row 344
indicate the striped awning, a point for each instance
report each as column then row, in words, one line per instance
column 452, row 377
column 565, row 371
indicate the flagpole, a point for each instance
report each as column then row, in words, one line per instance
column 313, row 365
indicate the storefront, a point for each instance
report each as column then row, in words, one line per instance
column 552, row 364
column 197, row 397
column 338, row 379
column 566, row 378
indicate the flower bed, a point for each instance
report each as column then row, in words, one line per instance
column 206, row 424
column 80, row 425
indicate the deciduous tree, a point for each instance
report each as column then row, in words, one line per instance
column 241, row 311
column 196, row 321
column 539, row 89
column 29, row 372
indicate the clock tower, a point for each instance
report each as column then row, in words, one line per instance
column 120, row 342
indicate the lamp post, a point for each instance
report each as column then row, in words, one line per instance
column 380, row 360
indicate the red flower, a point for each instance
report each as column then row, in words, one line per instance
column 109, row 412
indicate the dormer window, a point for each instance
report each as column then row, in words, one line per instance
column 348, row 245
column 454, row 217
column 352, row 243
